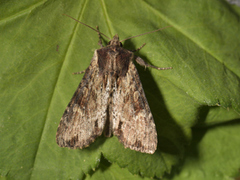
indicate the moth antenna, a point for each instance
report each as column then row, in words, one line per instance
column 145, row 33
column 86, row 25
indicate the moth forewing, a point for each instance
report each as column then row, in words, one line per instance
column 133, row 123
column 110, row 98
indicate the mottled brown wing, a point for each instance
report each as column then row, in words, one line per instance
column 85, row 116
column 133, row 122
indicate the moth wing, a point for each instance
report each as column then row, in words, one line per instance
column 133, row 122
column 85, row 116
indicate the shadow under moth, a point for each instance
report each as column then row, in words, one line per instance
column 110, row 99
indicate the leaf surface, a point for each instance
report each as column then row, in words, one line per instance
column 40, row 49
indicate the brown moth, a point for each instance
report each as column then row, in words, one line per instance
column 110, row 99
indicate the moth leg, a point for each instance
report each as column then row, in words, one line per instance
column 139, row 48
column 141, row 62
column 100, row 39
column 79, row 72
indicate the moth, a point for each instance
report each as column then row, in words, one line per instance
column 110, row 99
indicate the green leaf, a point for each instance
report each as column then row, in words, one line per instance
column 41, row 48
column 213, row 154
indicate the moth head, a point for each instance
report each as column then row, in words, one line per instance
column 115, row 41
